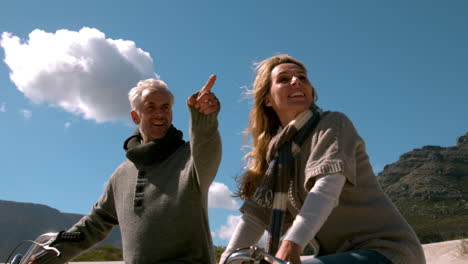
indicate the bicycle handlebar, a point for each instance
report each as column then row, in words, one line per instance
column 47, row 241
column 254, row 255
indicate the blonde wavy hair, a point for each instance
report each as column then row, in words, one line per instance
column 263, row 124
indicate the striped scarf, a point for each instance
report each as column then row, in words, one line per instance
column 279, row 177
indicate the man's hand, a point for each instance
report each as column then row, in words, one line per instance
column 289, row 251
column 205, row 101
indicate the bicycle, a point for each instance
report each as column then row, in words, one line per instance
column 44, row 242
column 247, row 255
column 256, row 255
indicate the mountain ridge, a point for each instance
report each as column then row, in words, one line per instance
column 26, row 221
column 429, row 185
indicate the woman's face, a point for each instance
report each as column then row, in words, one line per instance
column 290, row 92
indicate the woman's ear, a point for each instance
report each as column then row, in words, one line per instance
column 267, row 101
column 135, row 117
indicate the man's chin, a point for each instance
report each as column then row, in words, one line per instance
column 160, row 133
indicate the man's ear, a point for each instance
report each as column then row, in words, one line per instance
column 135, row 117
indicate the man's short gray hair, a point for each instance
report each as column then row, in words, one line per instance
column 134, row 96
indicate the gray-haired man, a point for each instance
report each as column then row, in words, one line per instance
column 158, row 196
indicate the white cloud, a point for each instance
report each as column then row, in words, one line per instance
column 27, row 114
column 226, row 231
column 219, row 196
column 67, row 125
column 2, row 108
column 83, row 72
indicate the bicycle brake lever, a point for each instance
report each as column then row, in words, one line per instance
column 47, row 247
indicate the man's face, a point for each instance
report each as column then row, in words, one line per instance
column 155, row 115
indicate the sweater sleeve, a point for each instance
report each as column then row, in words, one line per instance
column 333, row 149
column 318, row 205
column 205, row 144
column 95, row 226
column 247, row 233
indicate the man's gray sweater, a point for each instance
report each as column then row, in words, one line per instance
column 173, row 225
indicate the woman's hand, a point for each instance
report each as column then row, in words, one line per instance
column 205, row 101
column 289, row 251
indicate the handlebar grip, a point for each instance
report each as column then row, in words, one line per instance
column 69, row 236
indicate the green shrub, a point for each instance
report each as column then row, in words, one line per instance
column 104, row 252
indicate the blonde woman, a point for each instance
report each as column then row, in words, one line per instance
column 309, row 180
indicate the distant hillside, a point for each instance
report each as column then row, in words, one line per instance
column 26, row 221
column 430, row 187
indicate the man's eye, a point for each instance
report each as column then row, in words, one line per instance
column 283, row 79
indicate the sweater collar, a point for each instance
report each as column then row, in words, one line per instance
column 153, row 152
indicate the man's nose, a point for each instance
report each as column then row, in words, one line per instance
column 159, row 112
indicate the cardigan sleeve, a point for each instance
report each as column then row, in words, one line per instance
column 333, row 149
column 250, row 207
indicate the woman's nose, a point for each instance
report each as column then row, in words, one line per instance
column 295, row 81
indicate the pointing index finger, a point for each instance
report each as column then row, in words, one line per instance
column 209, row 84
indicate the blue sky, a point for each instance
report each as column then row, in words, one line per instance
column 398, row 69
